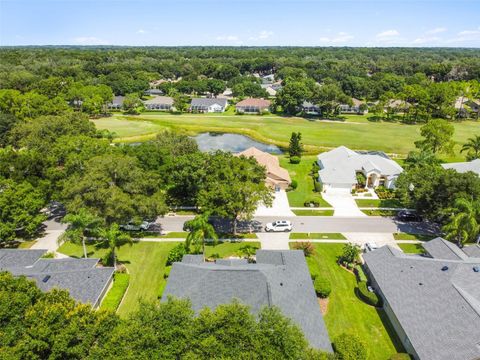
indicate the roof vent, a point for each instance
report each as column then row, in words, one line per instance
column 476, row 268
column 445, row 268
column 420, row 284
column 46, row 278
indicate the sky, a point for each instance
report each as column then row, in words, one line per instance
column 425, row 23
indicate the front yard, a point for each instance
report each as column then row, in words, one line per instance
column 145, row 262
column 379, row 203
column 346, row 312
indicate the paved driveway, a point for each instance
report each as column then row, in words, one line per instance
column 380, row 239
column 343, row 203
column 280, row 206
column 49, row 241
column 274, row 241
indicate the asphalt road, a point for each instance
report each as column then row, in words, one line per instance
column 318, row 224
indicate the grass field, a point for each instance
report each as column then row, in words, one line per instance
column 347, row 313
column 301, row 173
column 314, row 236
column 145, row 262
column 356, row 132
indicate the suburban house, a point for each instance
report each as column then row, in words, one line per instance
column 339, row 168
column 278, row 278
column 463, row 167
column 268, row 79
column 277, row 177
column 432, row 300
column 253, row 106
column 397, row 105
column 117, row 103
column 465, row 106
column 164, row 103
column 356, row 108
column 310, row 109
column 82, row 278
column 208, row 104
column 153, row 92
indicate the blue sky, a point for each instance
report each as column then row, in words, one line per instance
column 241, row 22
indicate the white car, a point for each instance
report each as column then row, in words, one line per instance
column 279, row 226
column 144, row 226
column 370, row 246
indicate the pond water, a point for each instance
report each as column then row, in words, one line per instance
column 231, row 142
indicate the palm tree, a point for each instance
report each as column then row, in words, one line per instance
column 115, row 238
column 473, row 147
column 200, row 230
column 79, row 224
column 464, row 222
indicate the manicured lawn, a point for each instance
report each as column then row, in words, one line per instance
column 26, row 244
column 314, row 236
column 313, row 212
column 115, row 294
column 227, row 249
column 412, row 248
column 406, row 236
column 380, row 212
column 356, row 132
column 347, row 313
column 387, row 203
column 301, row 173
column 175, row 234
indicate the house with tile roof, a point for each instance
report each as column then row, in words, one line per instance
column 252, row 106
column 432, row 300
column 208, row 104
column 82, row 278
column 277, row 177
column 463, row 167
column 339, row 168
column 278, row 278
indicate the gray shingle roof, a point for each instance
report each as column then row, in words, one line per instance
column 443, row 249
column 160, row 100
column 463, row 167
column 84, row 281
column 279, row 278
column 438, row 309
column 472, row 251
column 206, row 102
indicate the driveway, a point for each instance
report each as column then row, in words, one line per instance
column 343, row 203
column 49, row 241
column 378, row 238
column 274, row 241
column 280, row 206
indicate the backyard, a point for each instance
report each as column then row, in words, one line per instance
column 357, row 132
column 145, row 262
column 346, row 312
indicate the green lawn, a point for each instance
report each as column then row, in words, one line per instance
column 115, row 294
column 313, row 212
column 347, row 313
column 301, row 173
column 227, row 249
column 314, row 236
column 406, row 236
column 356, row 131
column 386, row 203
column 380, row 212
column 412, row 248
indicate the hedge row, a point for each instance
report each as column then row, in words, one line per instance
column 116, row 293
column 369, row 297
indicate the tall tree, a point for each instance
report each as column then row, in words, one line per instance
column 80, row 224
column 200, row 231
column 115, row 238
column 472, row 147
column 295, row 147
column 463, row 224
column 437, row 135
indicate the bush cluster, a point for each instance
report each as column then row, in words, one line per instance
column 384, row 193
column 176, row 254
column 306, row 246
column 293, row 184
column 369, row 297
column 359, row 273
column 295, row 160
column 318, row 186
column 349, row 347
column 322, row 286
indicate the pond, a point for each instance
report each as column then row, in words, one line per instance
column 231, row 142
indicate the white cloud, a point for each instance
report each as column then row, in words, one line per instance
column 437, row 30
column 387, row 34
column 263, row 35
column 89, row 40
column 466, row 35
column 341, row 37
column 469, row 32
column 227, row 38
column 142, row 31
column 426, row 40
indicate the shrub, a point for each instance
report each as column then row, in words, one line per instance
column 48, row 255
column 361, row 179
column 318, row 186
column 349, row 347
column 115, row 295
column 369, row 297
column 400, row 356
column 350, row 253
column 311, row 203
column 176, row 254
column 322, row 286
column 384, row 193
column 166, row 273
column 295, row 160
column 294, row 184
column 360, row 274
column 306, row 246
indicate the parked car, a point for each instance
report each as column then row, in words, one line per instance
column 370, row 246
column 279, row 226
column 131, row 226
column 407, row 215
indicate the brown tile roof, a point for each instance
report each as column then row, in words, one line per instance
column 261, row 103
column 270, row 162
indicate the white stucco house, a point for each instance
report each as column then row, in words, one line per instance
column 339, row 168
column 463, row 167
column 208, row 104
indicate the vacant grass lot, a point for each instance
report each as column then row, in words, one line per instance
column 356, row 131
column 347, row 313
column 301, row 173
column 145, row 262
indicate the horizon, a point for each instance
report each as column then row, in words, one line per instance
column 190, row 23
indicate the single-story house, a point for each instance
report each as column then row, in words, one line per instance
column 311, row 109
column 208, row 104
column 356, row 108
column 277, row 177
column 463, row 167
column 117, row 103
column 339, row 168
column 278, row 278
column 397, row 105
column 164, row 103
column 82, row 278
column 268, row 79
column 153, row 92
column 270, row 90
column 465, row 106
column 432, row 300
column 253, row 106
